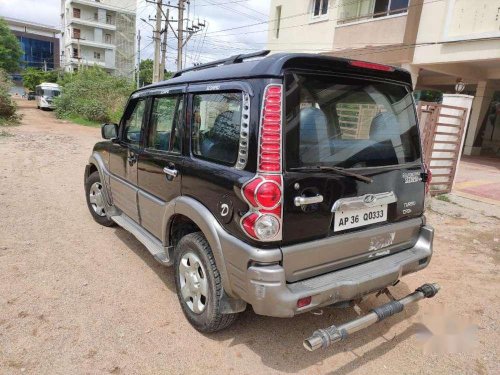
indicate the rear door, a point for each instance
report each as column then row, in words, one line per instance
column 123, row 159
column 160, row 162
column 367, row 127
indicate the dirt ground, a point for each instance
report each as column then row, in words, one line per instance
column 78, row 298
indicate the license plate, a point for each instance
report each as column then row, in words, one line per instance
column 357, row 218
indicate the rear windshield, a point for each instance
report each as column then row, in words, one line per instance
column 347, row 122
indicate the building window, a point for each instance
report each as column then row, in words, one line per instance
column 97, row 55
column 108, row 19
column 107, row 38
column 277, row 20
column 351, row 11
column 383, row 8
column 320, row 8
column 96, row 16
column 76, row 33
column 75, row 53
column 76, row 13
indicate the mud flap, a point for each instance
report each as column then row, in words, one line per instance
column 323, row 338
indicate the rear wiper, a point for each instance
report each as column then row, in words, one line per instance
column 339, row 170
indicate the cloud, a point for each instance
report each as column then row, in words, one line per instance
column 47, row 13
column 206, row 45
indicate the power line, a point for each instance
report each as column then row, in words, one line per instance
column 299, row 15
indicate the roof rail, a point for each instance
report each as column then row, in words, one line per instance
column 236, row 59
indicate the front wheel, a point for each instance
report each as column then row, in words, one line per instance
column 95, row 199
column 199, row 284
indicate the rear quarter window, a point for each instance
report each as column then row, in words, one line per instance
column 216, row 123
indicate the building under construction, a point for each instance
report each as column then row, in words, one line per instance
column 99, row 33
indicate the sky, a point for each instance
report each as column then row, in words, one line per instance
column 215, row 42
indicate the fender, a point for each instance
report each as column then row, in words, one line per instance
column 203, row 218
column 98, row 161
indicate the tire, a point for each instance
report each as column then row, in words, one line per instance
column 96, row 206
column 194, row 246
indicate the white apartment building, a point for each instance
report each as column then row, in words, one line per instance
column 99, row 33
column 438, row 41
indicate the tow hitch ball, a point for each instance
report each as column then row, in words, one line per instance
column 323, row 338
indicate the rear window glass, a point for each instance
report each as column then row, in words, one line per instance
column 216, row 126
column 350, row 123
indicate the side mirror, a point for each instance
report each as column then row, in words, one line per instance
column 109, row 131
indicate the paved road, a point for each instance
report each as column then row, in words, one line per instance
column 78, row 298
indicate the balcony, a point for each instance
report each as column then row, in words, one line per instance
column 94, row 4
column 91, row 43
column 93, row 23
column 371, row 32
column 90, row 62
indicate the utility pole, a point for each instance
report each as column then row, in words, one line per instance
column 180, row 34
column 157, row 34
column 138, row 71
column 159, row 63
column 164, row 47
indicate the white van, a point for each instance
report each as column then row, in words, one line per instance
column 45, row 94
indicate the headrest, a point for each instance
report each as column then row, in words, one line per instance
column 227, row 125
column 313, row 125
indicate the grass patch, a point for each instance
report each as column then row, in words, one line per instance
column 83, row 121
column 5, row 122
column 443, row 198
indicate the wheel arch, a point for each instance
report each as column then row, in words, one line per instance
column 187, row 208
column 97, row 163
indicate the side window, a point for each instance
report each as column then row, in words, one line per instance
column 133, row 125
column 215, row 128
column 163, row 132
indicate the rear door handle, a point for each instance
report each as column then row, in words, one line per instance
column 170, row 171
column 302, row 201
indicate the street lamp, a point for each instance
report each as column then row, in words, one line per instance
column 459, row 86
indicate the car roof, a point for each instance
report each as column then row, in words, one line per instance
column 49, row 84
column 273, row 66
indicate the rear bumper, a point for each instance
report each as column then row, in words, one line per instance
column 266, row 289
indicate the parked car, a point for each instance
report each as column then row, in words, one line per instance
column 289, row 182
column 31, row 95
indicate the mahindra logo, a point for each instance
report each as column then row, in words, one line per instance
column 369, row 198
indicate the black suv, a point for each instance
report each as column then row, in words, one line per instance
column 287, row 182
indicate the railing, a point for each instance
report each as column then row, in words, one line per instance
column 369, row 16
column 442, row 129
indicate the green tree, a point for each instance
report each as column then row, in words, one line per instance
column 10, row 49
column 93, row 94
column 146, row 74
column 33, row 77
column 7, row 105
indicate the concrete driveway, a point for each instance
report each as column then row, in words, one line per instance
column 478, row 178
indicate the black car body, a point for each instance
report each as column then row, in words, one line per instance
column 303, row 173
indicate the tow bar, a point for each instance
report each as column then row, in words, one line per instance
column 323, row 338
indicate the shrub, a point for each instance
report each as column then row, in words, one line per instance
column 93, row 94
column 7, row 105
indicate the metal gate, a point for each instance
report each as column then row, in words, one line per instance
column 442, row 132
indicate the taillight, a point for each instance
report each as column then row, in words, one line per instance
column 372, row 66
column 264, row 193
